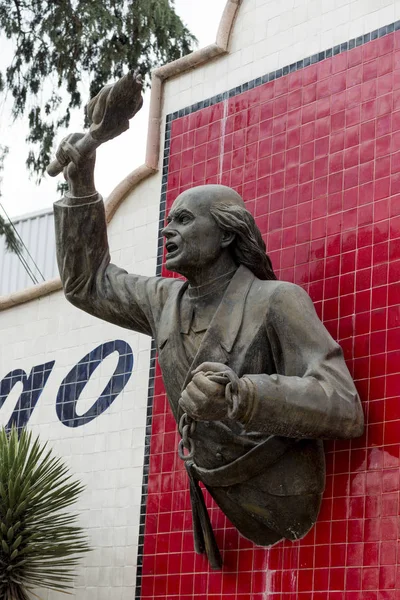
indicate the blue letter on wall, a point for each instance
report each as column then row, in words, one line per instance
column 32, row 388
column 72, row 386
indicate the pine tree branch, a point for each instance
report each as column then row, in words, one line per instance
column 97, row 39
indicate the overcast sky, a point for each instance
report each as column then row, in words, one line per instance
column 117, row 158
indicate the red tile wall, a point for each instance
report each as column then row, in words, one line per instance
column 316, row 156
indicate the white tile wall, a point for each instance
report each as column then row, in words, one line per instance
column 107, row 453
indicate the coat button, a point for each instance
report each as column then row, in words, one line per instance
column 219, row 455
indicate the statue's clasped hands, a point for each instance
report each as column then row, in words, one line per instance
column 212, row 394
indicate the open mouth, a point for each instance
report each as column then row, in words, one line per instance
column 171, row 248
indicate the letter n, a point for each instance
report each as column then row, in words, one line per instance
column 31, row 391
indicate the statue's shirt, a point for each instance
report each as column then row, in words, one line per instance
column 198, row 307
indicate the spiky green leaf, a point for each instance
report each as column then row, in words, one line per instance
column 40, row 544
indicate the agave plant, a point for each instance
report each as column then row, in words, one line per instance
column 40, row 544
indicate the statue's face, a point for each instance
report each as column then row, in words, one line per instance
column 193, row 239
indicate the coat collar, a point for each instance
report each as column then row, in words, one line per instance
column 228, row 317
column 207, row 297
column 222, row 332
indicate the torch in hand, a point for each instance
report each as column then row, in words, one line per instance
column 109, row 113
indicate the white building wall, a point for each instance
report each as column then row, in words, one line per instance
column 107, row 453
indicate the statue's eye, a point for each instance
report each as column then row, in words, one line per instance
column 185, row 219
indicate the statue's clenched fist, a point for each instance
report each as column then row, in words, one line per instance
column 204, row 398
column 78, row 168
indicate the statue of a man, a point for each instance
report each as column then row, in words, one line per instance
column 243, row 356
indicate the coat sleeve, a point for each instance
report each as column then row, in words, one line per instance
column 91, row 282
column 312, row 394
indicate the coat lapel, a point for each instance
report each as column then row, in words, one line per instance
column 222, row 332
column 169, row 325
column 172, row 356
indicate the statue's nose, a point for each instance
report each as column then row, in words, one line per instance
column 168, row 231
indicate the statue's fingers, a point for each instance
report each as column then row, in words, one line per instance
column 195, row 398
column 61, row 156
column 193, row 391
column 69, row 140
column 188, row 404
column 211, row 367
column 66, row 153
column 72, row 138
column 207, row 386
column 218, row 378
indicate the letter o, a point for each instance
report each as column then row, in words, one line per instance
column 73, row 384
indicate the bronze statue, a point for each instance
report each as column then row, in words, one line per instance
column 252, row 376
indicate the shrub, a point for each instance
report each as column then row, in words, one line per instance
column 40, row 543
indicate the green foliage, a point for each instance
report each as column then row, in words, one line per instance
column 12, row 242
column 40, row 544
column 57, row 43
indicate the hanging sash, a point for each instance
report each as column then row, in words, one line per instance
column 241, row 470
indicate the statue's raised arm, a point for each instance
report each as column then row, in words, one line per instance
column 89, row 280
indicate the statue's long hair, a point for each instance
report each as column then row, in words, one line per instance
column 248, row 247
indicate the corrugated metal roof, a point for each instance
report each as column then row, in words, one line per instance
column 37, row 233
